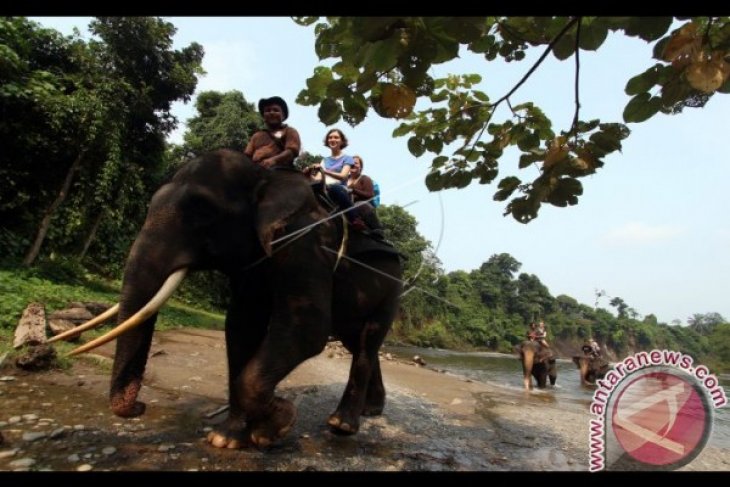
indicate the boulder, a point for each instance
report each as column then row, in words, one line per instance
column 31, row 327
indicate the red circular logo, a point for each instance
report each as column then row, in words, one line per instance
column 661, row 419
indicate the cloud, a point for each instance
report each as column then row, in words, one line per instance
column 636, row 233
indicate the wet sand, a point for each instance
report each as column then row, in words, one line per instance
column 432, row 421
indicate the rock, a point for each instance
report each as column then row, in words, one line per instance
column 22, row 463
column 31, row 327
column 59, row 326
column 58, row 433
column 418, row 360
column 38, row 357
column 34, row 435
column 9, row 453
column 73, row 457
column 93, row 307
column 109, row 450
column 84, row 468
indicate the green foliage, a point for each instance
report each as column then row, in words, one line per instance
column 224, row 120
column 383, row 63
column 55, row 284
column 83, row 131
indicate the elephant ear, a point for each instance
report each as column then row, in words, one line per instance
column 279, row 198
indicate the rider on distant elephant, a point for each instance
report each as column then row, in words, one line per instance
column 591, row 349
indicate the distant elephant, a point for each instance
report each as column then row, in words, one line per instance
column 291, row 287
column 591, row 368
column 537, row 361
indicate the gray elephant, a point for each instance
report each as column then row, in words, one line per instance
column 591, row 368
column 292, row 286
column 538, row 361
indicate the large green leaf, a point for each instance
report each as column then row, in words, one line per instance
column 648, row 28
column 565, row 47
column 593, row 32
column 641, row 107
column 381, row 55
column 643, row 82
column 329, row 112
column 415, row 146
column 435, row 181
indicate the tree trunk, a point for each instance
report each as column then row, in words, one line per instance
column 32, row 254
column 92, row 234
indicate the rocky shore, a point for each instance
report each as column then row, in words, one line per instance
column 60, row 420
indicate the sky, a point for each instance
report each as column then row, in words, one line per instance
column 651, row 227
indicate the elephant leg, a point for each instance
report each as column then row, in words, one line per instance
column 375, row 397
column 246, row 323
column 540, row 373
column 364, row 368
column 553, row 373
column 297, row 331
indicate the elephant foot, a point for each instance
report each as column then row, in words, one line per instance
column 133, row 410
column 372, row 410
column 265, row 431
column 341, row 424
column 124, row 403
column 229, row 434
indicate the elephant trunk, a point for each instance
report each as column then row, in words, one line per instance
column 148, row 282
column 528, row 361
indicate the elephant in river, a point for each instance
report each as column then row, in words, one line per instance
column 538, row 361
column 292, row 282
column 591, row 368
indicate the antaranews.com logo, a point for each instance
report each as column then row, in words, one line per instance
column 653, row 411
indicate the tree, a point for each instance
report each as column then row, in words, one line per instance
column 422, row 268
column 224, row 120
column 533, row 300
column 621, row 307
column 705, row 323
column 495, row 280
column 90, row 118
column 384, row 63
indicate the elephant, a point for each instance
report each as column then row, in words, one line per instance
column 591, row 368
column 538, row 361
column 292, row 287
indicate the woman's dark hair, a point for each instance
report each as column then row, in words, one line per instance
column 342, row 136
column 362, row 163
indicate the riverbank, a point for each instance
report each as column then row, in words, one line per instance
column 432, row 421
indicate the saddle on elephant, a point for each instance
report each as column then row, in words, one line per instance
column 366, row 221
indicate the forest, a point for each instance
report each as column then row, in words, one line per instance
column 84, row 131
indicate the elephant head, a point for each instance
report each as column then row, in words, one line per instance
column 538, row 361
column 263, row 229
column 591, row 369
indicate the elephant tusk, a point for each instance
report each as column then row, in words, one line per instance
column 140, row 316
column 89, row 324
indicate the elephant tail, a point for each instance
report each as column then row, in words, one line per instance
column 154, row 304
column 92, row 323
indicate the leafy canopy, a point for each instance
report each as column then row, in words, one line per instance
column 383, row 63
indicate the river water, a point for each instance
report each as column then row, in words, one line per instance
column 506, row 371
